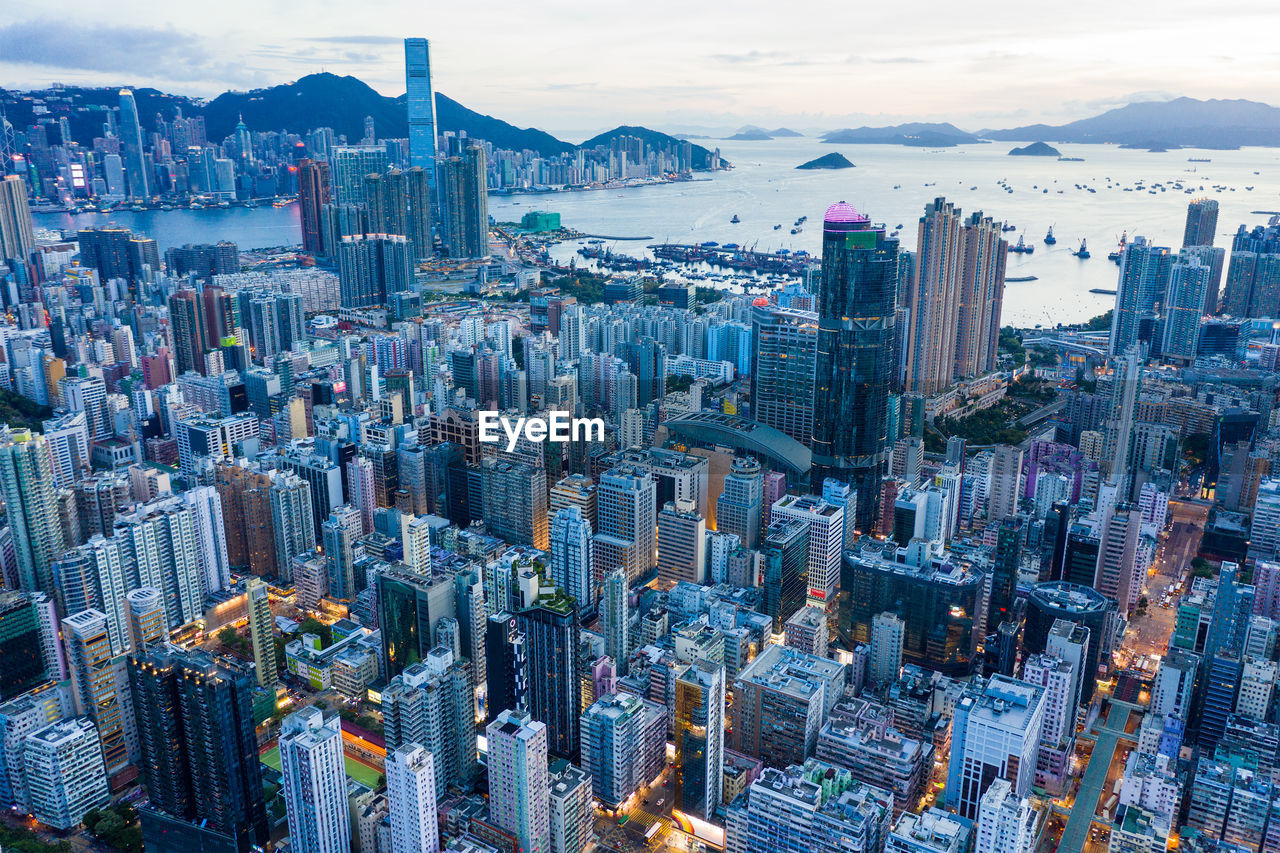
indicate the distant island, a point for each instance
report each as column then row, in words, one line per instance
column 1036, row 149
column 753, row 135
column 915, row 134
column 834, row 160
column 784, row 132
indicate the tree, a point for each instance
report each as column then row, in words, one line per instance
column 1201, row 568
column 678, row 382
column 1011, row 343
column 312, row 625
column 1101, row 323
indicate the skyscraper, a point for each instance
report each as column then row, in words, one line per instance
column 315, row 782
column 550, row 625
column 740, row 505
column 464, row 204
column 349, row 166
column 682, row 543
column 1202, row 222
column 826, row 536
column 995, row 734
column 100, row 684
column 519, row 784
column 699, row 738
column 292, row 519
column 131, row 137
column 17, row 240
column 933, row 301
column 855, row 354
column 411, row 795
column 26, row 479
column 1144, row 278
column 431, row 704
column 64, row 771
column 421, row 104
column 627, row 512
column 313, row 195
column 1006, row 822
column 1184, row 302
column 614, row 616
column 981, row 296
column 887, row 631
column 624, row 741
column 784, row 358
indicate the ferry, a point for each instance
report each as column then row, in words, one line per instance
column 1083, row 251
column 735, row 220
column 1049, row 239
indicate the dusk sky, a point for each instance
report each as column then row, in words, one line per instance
column 574, row 68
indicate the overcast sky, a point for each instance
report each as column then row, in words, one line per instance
column 574, row 67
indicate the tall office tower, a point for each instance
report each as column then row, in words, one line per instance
column 739, row 507
column 1006, row 822
column 699, row 738
column 981, row 296
column 519, row 784
column 1189, row 282
column 995, row 734
column 373, row 267
column 26, row 479
column 211, row 537
column 623, row 745
column 682, row 543
column 199, row 754
column 1005, row 475
column 313, row 195
column 145, row 612
column 17, row 239
column 262, row 632
column 186, row 319
column 99, row 683
column 431, row 704
column 64, row 773
column 855, row 355
column 464, row 204
column 131, row 135
column 1216, row 695
column 572, row 557
column 887, row 632
column 614, row 617
column 1202, row 222
column 292, row 519
column 506, row 654
column 421, row 104
column 348, row 167
column 550, row 626
column 784, row 347
column 515, row 502
column 785, row 554
column 1005, row 563
column 411, row 795
column 410, row 607
column 21, row 646
column 826, row 536
column 933, row 301
column 1144, row 278
column 627, row 516
column 315, row 782
column 572, row 813
column 246, row 512
column 1120, row 574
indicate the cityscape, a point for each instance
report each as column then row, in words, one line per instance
column 379, row 476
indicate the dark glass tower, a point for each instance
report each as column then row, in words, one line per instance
column 855, row 354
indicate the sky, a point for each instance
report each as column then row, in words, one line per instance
column 574, row 68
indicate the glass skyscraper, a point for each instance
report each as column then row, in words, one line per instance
column 855, row 354
column 421, row 100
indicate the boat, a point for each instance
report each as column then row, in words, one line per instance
column 1007, row 227
column 1083, row 251
column 1022, row 248
column 735, row 220
column 796, row 230
column 776, row 227
column 1049, row 239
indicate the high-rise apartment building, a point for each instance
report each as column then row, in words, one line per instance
column 682, row 542
column 627, row 516
column 100, row 685
column 464, row 204
column 519, row 783
column 933, row 301
column 1189, row 283
column 1006, row 822
column 515, row 502
column 886, row 649
column 262, row 632
column 981, row 296
column 1144, row 278
column 1202, row 222
column 64, row 773
column 411, row 796
column 572, row 557
column 623, row 745
column 431, row 704
column 17, row 240
column 315, row 782
column 313, row 194
column 26, row 479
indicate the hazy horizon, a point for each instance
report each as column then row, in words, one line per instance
column 817, row 65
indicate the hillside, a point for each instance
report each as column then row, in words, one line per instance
column 834, row 160
column 1182, row 122
column 701, row 156
column 917, row 134
column 1036, row 149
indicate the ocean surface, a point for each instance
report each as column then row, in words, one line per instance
column 890, row 183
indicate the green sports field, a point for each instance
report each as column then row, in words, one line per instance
column 362, row 773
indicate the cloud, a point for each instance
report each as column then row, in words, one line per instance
column 751, row 56
column 900, row 60
column 358, row 39
column 153, row 52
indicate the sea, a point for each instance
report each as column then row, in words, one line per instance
column 889, row 183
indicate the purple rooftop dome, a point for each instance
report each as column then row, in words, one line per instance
column 843, row 212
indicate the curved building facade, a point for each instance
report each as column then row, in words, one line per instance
column 1083, row 605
